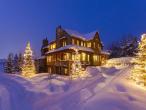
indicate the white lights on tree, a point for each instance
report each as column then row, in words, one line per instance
column 77, row 70
column 28, row 67
column 139, row 70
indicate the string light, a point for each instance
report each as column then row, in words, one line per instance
column 77, row 70
column 28, row 67
column 139, row 70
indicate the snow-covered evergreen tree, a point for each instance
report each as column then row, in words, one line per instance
column 127, row 47
column 139, row 70
column 28, row 67
column 9, row 64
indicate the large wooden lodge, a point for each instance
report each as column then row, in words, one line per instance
column 59, row 54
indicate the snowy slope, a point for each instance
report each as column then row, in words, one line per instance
column 107, row 89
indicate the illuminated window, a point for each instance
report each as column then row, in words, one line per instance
column 88, row 57
column 49, row 58
column 82, row 44
column 66, row 56
column 73, row 57
column 95, row 58
column 64, row 43
column 78, row 43
column 83, row 57
column 73, row 41
column 65, row 70
column 54, row 45
column 89, row 44
column 79, row 56
column 50, row 47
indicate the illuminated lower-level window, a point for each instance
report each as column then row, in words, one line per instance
column 88, row 57
column 73, row 57
column 76, row 57
column 65, row 71
column 49, row 59
column 83, row 57
column 67, row 56
column 95, row 58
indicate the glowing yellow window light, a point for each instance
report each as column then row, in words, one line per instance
column 89, row 44
column 83, row 57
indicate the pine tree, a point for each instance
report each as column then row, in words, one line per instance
column 139, row 70
column 9, row 64
column 20, row 62
column 28, row 67
column 126, row 47
column 15, row 64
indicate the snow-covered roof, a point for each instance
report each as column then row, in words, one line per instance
column 71, row 47
column 74, row 33
column 87, row 36
column 105, row 52
column 42, row 57
column 90, row 35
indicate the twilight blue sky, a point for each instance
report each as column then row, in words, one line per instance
column 33, row 20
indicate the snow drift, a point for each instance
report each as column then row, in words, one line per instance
column 107, row 89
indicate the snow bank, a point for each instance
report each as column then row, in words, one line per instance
column 119, row 62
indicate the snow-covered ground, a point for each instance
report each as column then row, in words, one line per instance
column 108, row 88
column 119, row 62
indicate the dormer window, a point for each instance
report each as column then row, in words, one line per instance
column 53, row 46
